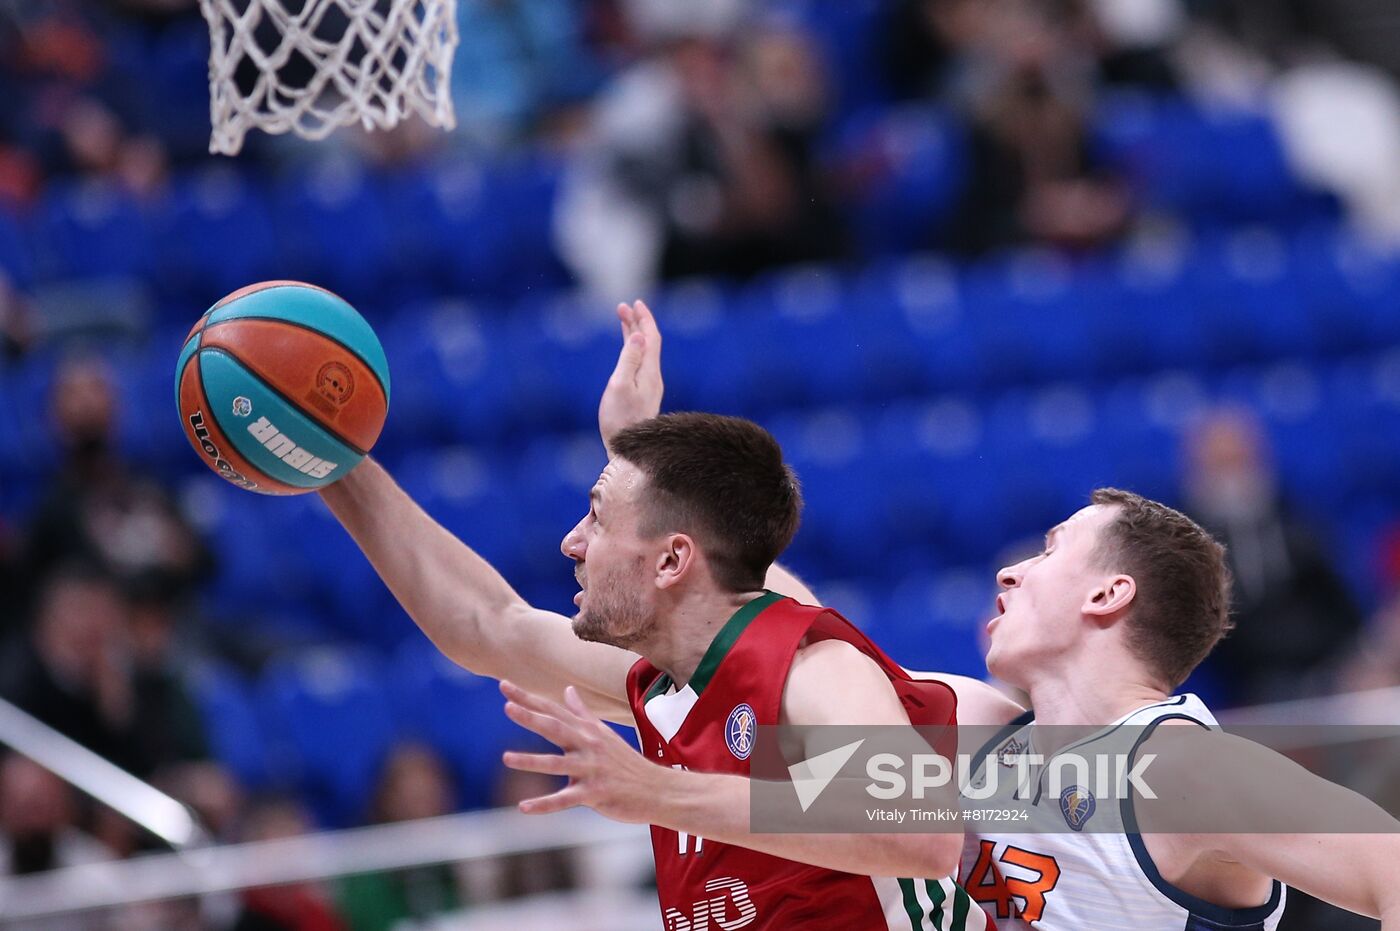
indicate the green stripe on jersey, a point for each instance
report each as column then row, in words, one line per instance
column 726, row 638
column 961, row 903
column 936, row 895
column 911, row 904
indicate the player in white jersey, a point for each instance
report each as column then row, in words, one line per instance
column 1099, row 630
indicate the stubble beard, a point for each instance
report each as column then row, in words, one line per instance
column 614, row 616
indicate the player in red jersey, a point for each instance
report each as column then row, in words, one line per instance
column 676, row 635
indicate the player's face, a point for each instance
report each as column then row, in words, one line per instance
column 1039, row 616
column 611, row 561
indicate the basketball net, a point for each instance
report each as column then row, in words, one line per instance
column 310, row 66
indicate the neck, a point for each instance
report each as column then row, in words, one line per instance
column 690, row 628
column 1077, row 699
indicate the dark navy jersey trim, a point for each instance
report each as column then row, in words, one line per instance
column 1040, row 780
column 1203, row 915
column 1016, row 723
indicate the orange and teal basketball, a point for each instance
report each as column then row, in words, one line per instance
column 282, row 387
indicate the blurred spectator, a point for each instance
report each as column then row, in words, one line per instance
column 702, row 160
column 213, row 793
column 1033, row 178
column 414, row 784
column 1293, row 616
column 169, row 728
column 38, row 831
column 1340, row 122
column 517, row 61
column 16, row 319
column 1375, row 661
column 97, row 668
column 303, row 906
column 925, row 41
column 97, row 508
column 38, row 819
column 1132, row 41
column 544, row 870
column 73, row 672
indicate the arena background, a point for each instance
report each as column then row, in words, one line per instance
column 967, row 259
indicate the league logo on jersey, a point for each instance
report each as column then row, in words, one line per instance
column 739, row 731
column 1077, row 804
column 1011, row 752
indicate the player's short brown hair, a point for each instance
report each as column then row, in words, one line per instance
column 723, row 481
column 1182, row 607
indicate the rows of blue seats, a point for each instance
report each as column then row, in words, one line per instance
column 319, row 723
column 893, row 490
column 456, row 227
column 460, row 226
column 914, row 327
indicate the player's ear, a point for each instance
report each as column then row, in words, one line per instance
column 676, row 561
column 1108, row 599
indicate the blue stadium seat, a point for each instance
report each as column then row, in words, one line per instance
column 916, row 159
column 457, row 713
column 932, row 621
column 1026, row 312
column 260, row 562
column 215, row 234
column 474, row 497
column 523, row 192
column 483, row 229
column 1350, row 287
column 352, row 601
column 696, row 317
column 1217, row 165
column 1143, row 422
column 941, row 490
column 451, row 366
column 920, row 331
column 843, row 523
column 176, row 102
column 332, row 228
column 16, row 251
column 327, row 719
column 549, row 488
column 230, row 719
column 27, row 443
column 849, row 39
column 564, row 350
column 439, row 227
column 92, row 229
column 800, row 340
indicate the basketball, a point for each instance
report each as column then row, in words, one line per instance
column 282, row 387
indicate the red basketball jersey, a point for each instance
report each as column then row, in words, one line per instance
column 710, row 725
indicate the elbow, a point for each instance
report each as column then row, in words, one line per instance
column 934, row 856
column 947, row 854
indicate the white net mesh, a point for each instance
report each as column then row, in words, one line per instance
column 310, row 66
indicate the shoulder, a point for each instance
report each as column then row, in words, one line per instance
column 978, row 702
column 833, row 682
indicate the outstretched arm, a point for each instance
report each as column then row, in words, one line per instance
column 1223, row 798
column 830, row 683
column 463, row 604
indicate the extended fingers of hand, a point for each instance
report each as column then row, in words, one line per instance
column 567, row 797
column 646, row 322
column 551, row 729
column 533, row 702
column 551, row 764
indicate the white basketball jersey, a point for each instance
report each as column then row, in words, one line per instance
column 1102, row 880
